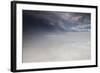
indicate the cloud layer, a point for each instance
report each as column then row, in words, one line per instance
column 56, row 21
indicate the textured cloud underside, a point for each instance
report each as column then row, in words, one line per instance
column 58, row 21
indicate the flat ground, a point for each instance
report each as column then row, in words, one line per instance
column 52, row 47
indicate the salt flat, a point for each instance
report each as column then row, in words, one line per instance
column 51, row 47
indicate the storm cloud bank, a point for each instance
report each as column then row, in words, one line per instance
column 56, row 21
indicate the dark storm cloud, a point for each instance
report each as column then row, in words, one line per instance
column 49, row 21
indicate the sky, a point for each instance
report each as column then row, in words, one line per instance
column 51, row 21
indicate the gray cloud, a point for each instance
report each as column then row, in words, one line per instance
column 62, row 21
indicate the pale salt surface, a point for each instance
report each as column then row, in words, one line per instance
column 51, row 47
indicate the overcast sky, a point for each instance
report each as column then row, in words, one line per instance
column 56, row 21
